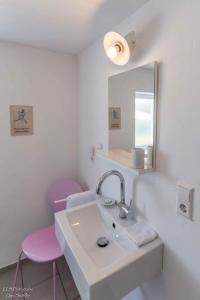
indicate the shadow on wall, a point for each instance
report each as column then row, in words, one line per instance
column 146, row 38
column 105, row 8
column 162, row 159
column 176, row 276
column 145, row 183
column 174, row 280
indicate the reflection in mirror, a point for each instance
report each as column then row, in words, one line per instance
column 132, row 114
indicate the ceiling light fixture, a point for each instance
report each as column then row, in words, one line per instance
column 119, row 48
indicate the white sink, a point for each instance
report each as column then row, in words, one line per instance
column 91, row 222
column 109, row 272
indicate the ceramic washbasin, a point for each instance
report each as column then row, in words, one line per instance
column 90, row 223
column 110, row 272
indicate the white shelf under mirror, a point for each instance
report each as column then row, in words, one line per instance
column 123, row 159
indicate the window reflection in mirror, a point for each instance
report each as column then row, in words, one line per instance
column 144, row 112
column 132, row 96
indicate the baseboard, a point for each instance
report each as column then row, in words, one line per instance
column 11, row 266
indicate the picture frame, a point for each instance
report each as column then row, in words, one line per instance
column 21, row 120
column 114, row 118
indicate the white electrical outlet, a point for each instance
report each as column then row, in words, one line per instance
column 184, row 204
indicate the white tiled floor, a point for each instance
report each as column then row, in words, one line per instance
column 38, row 277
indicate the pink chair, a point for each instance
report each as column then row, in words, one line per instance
column 42, row 245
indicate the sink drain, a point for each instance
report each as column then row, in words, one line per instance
column 102, row 241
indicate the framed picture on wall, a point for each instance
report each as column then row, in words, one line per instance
column 114, row 118
column 21, row 120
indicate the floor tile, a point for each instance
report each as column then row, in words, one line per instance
column 44, row 291
column 35, row 273
column 38, row 277
column 67, row 279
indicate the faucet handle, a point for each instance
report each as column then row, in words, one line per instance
column 124, row 209
column 131, row 201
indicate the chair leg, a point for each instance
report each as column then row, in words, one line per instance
column 54, row 280
column 17, row 270
column 18, row 267
column 22, row 277
column 61, row 282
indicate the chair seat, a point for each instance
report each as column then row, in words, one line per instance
column 42, row 245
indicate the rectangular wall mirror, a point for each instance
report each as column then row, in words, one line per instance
column 132, row 101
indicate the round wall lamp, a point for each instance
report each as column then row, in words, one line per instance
column 119, row 48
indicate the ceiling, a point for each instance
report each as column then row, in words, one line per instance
column 61, row 25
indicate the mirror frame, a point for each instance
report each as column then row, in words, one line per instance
column 155, row 115
column 155, row 121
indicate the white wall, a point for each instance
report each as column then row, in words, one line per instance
column 167, row 31
column 30, row 164
column 139, row 80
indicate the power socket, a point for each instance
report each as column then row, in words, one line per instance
column 184, row 203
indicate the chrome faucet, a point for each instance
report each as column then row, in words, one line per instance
column 124, row 209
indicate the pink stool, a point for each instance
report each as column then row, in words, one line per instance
column 42, row 245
